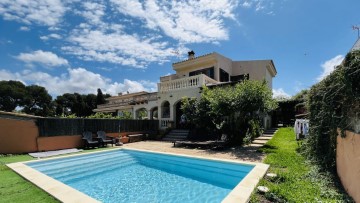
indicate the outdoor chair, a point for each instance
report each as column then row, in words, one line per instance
column 88, row 140
column 101, row 136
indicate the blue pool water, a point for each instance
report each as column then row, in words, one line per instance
column 134, row 176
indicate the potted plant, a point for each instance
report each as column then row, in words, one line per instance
column 124, row 139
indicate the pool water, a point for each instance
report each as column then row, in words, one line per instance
column 135, row 176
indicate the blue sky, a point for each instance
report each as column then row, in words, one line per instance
column 126, row 45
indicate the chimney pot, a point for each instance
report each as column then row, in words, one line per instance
column 191, row 54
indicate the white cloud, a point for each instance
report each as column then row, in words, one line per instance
column 329, row 66
column 53, row 36
column 280, row 94
column 265, row 6
column 246, row 4
column 24, row 28
column 77, row 80
column 45, row 58
column 187, row 21
column 6, row 75
column 43, row 12
column 127, row 32
column 93, row 12
column 117, row 47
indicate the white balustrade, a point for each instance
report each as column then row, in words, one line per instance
column 164, row 123
column 185, row 83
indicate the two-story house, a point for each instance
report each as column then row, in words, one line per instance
column 190, row 75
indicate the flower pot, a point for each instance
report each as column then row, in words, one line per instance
column 124, row 139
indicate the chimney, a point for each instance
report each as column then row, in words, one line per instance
column 191, row 54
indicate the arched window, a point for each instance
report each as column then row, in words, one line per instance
column 165, row 110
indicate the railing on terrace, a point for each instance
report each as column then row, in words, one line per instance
column 136, row 99
column 164, row 123
column 148, row 97
column 185, row 83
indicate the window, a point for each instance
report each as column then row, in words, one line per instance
column 224, row 76
column 165, row 109
column 207, row 71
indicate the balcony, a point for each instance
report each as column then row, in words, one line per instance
column 185, row 83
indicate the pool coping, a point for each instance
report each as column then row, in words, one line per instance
column 64, row 193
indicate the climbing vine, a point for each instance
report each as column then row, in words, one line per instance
column 333, row 103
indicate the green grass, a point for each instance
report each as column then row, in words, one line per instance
column 297, row 181
column 13, row 188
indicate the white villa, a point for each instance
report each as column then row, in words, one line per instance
column 210, row 70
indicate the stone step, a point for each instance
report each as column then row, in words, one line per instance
column 177, row 136
column 255, row 145
column 173, row 139
column 264, row 138
column 171, row 133
column 256, row 141
column 180, row 131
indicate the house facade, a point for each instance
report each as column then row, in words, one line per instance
column 190, row 76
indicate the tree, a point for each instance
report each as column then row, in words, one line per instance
column 65, row 104
column 79, row 105
column 90, row 104
column 100, row 99
column 12, row 95
column 37, row 101
column 235, row 111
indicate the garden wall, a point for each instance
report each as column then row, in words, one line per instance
column 59, row 142
column 348, row 163
column 17, row 135
column 25, row 133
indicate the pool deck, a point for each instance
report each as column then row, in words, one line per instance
column 241, row 193
column 245, row 153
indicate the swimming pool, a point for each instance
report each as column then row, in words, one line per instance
column 137, row 176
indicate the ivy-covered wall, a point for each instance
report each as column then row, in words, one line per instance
column 333, row 103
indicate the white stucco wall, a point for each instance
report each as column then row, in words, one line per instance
column 257, row 70
column 223, row 63
column 175, row 96
column 268, row 78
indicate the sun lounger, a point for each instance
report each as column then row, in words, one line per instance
column 104, row 140
column 88, row 140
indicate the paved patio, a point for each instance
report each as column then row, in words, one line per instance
column 247, row 153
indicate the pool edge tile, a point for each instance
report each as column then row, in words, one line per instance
column 53, row 187
column 242, row 192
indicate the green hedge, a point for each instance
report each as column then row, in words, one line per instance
column 333, row 103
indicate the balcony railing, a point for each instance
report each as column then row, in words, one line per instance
column 185, row 83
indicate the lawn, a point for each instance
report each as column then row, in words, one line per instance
column 13, row 188
column 298, row 180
